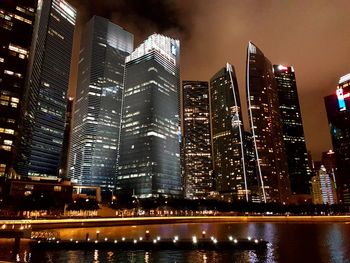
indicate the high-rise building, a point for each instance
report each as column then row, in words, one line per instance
column 266, row 127
column 149, row 163
column 45, row 99
column 323, row 188
column 292, row 128
column 197, row 160
column 227, row 136
column 16, row 28
column 97, row 113
column 338, row 113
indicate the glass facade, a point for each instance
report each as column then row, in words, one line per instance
column 338, row 113
column 149, row 163
column 16, row 28
column 97, row 113
column 227, row 136
column 197, row 159
column 266, row 127
column 45, row 101
column 293, row 132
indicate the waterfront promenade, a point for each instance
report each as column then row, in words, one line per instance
column 99, row 222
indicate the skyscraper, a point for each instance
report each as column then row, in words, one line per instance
column 266, row 127
column 227, row 135
column 338, row 113
column 198, row 182
column 292, row 128
column 16, row 28
column 150, row 139
column 97, row 113
column 323, row 188
column 45, row 100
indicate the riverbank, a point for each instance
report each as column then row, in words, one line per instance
column 93, row 222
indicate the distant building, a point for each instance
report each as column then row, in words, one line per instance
column 323, row 188
column 338, row 113
column 266, row 126
column 198, row 181
column 16, row 27
column 97, row 113
column 227, row 136
column 149, row 163
column 292, row 128
column 45, row 99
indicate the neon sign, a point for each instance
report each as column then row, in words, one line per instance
column 341, row 99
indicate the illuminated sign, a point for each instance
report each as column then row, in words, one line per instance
column 281, row 67
column 173, row 49
column 341, row 100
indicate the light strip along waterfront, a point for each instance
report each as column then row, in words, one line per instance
column 91, row 222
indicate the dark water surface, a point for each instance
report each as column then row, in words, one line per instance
column 289, row 242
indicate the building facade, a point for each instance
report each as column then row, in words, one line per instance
column 97, row 113
column 149, row 163
column 267, row 131
column 16, row 28
column 227, row 136
column 197, row 159
column 45, row 98
column 292, row 128
column 323, row 188
column 338, row 113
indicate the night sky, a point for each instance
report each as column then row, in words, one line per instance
column 313, row 36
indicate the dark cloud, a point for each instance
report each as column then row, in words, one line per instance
column 142, row 16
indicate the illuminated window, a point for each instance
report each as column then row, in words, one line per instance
column 57, row 188
column 5, row 147
column 9, row 131
column 8, row 142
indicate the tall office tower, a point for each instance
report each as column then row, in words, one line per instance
column 63, row 171
column 338, row 113
column 197, row 160
column 97, row 113
column 227, row 136
column 16, row 28
column 150, row 138
column 266, row 127
column 293, row 132
column 323, row 188
column 45, row 100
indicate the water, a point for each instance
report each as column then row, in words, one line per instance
column 290, row 242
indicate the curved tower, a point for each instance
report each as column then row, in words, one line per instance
column 227, row 137
column 266, row 127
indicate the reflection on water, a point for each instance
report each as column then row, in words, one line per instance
column 290, row 242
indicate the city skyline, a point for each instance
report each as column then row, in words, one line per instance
column 229, row 25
